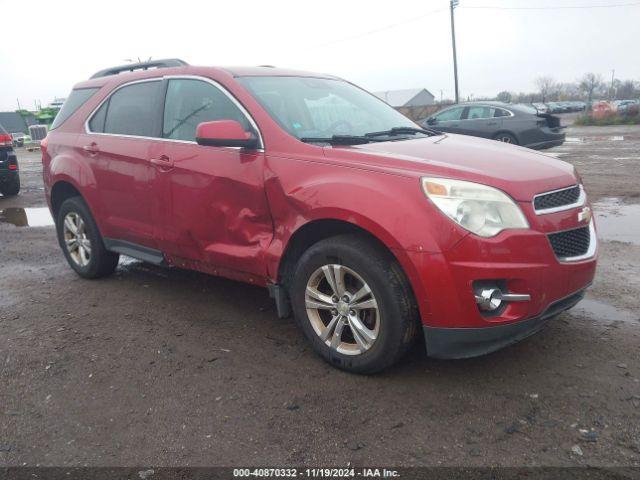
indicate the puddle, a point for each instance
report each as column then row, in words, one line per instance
column 618, row 221
column 27, row 217
column 602, row 312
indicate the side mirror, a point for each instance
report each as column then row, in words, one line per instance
column 431, row 121
column 225, row 133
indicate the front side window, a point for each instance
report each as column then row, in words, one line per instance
column 451, row 114
column 321, row 108
column 190, row 102
column 76, row 99
column 132, row 110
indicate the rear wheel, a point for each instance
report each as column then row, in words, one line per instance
column 354, row 304
column 81, row 242
column 10, row 188
column 506, row 138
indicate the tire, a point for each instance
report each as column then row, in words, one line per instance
column 98, row 261
column 11, row 188
column 505, row 138
column 389, row 329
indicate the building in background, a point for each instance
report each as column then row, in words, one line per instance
column 17, row 122
column 412, row 97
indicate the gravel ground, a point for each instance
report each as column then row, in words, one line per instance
column 168, row 367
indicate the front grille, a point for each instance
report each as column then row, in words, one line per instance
column 559, row 198
column 571, row 243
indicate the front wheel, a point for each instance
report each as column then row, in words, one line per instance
column 11, row 188
column 81, row 242
column 354, row 304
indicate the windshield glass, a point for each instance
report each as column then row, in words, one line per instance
column 321, row 108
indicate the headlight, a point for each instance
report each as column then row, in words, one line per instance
column 482, row 210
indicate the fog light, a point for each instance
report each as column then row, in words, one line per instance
column 489, row 299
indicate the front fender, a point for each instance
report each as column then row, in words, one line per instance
column 390, row 207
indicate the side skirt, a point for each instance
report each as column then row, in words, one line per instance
column 134, row 250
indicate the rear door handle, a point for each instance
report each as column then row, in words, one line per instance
column 164, row 162
column 92, row 149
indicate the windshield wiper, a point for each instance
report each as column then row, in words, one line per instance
column 339, row 140
column 401, row 131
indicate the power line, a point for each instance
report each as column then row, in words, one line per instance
column 566, row 7
column 381, row 29
column 474, row 7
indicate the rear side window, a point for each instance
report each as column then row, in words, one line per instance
column 478, row 112
column 74, row 101
column 96, row 124
column 190, row 102
column 132, row 110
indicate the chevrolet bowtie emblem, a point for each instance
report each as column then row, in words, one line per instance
column 584, row 215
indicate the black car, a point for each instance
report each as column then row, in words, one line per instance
column 517, row 124
column 9, row 176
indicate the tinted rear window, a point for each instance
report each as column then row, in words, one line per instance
column 74, row 101
column 133, row 110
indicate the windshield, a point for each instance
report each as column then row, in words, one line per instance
column 323, row 108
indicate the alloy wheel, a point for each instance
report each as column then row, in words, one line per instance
column 342, row 309
column 75, row 238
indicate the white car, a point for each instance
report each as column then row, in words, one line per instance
column 540, row 107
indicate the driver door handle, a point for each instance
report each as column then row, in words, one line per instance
column 163, row 161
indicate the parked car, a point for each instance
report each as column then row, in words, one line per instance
column 517, row 124
column 364, row 225
column 9, row 176
column 602, row 109
column 18, row 139
column 624, row 105
column 579, row 106
column 540, row 107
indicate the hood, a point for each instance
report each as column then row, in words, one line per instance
column 519, row 171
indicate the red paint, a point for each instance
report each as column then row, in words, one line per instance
column 232, row 212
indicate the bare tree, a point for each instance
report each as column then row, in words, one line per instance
column 628, row 89
column 546, row 85
column 504, row 96
column 589, row 84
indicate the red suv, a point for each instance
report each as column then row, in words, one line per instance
column 363, row 224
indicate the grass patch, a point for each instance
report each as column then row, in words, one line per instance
column 588, row 120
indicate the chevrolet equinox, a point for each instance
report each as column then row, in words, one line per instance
column 365, row 226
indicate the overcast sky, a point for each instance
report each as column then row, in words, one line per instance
column 47, row 46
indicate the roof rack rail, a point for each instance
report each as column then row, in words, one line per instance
column 130, row 67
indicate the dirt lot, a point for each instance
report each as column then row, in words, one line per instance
column 167, row 367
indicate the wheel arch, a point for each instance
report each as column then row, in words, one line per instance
column 510, row 132
column 316, row 230
column 61, row 191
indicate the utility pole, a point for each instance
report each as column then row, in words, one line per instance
column 613, row 73
column 453, row 5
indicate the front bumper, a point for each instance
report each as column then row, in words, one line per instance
column 520, row 262
column 455, row 343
